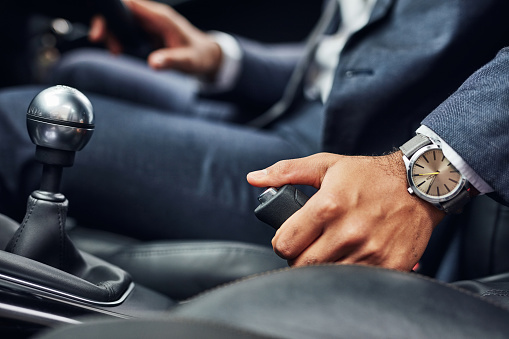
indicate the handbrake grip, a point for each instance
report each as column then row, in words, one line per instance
column 278, row 204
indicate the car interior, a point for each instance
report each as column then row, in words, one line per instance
column 60, row 279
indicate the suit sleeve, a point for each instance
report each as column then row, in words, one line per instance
column 265, row 71
column 474, row 121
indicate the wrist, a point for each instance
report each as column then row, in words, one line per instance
column 213, row 61
column 398, row 170
column 225, row 63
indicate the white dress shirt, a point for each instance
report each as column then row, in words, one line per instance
column 354, row 16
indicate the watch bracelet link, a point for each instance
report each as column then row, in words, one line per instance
column 455, row 205
column 414, row 144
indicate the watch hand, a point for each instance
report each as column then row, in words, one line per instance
column 426, row 174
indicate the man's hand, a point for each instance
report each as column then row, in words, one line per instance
column 184, row 47
column 362, row 212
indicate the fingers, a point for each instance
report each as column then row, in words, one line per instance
column 164, row 58
column 321, row 252
column 182, row 59
column 296, row 234
column 303, row 171
column 308, row 224
column 361, row 214
column 142, row 11
column 312, row 234
column 99, row 34
column 155, row 17
column 97, row 31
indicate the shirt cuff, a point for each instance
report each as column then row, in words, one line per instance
column 457, row 161
column 229, row 69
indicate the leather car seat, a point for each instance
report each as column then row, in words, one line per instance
column 484, row 249
column 321, row 302
column 178, row 269
column 181, row 269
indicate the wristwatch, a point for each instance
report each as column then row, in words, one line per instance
column 432, row 177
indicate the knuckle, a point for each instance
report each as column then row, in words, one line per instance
column 283, row 249
column 328, row 208
column 374, row 249
column 310, row 261
column 306, row 261
column 351, row 241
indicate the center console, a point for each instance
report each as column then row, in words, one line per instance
column 42, row 273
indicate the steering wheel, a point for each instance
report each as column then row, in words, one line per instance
column 122, row 24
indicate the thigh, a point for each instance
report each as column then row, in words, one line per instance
column 126, row 78
column 131, row 79
column 19, row 172
column 155, row 175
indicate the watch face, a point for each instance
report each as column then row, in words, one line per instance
column 433, row 175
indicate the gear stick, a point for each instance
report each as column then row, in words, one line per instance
column 60, row 121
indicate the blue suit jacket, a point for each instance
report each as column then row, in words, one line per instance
column 409, row 58
column 475, row 122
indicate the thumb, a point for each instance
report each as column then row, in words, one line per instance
column 304, row 171
column 97, row 32
column 150, row 15
column 175, row 58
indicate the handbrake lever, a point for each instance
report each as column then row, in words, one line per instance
column 278, row 204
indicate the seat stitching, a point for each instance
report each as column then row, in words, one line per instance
column 23, row 225
column 145, row 253
column 498, row 293
column 433, row 281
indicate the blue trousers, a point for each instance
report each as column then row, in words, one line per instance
column 161, row 164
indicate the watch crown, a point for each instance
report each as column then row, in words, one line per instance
column 410, row 190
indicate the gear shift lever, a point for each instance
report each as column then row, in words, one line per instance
column 60, row 121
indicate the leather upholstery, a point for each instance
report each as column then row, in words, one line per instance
column 39, row 252
column 152, row 329
column 89, row 285
column 320, row 302
column 42, row 237
column 182, row 269
column 7, row 229
column 348, row 302
column 485, row 237
column 179, row 269
column 495, row 288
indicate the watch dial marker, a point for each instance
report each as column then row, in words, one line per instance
column 434, row 175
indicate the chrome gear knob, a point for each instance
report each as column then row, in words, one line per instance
column 60, row 118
